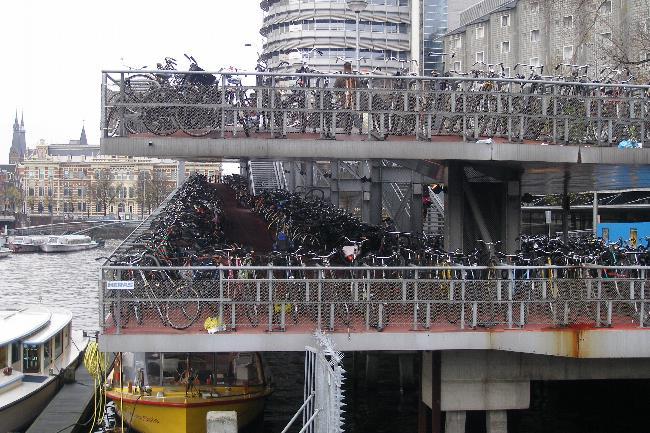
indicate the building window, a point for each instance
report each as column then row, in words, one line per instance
column 457, row 66
column 607, row 36
column 567, row 21
column 505, row 47
column 534, row 7
column 534, row 35
column 480, row 31
column 505, row 20
column 458, row 42
column 40, row 191
column 606, row 7
column 479, row 57
column 31, row 192
column 79, row 192
column 534, row 61
column 567, row 52
column 506, row 72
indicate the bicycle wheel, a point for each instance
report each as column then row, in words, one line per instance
column 160, row 120
column 121, row 117
column 193, row 119
column 184, row 307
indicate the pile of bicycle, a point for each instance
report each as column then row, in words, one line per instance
column 330, row 268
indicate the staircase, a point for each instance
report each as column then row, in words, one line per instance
column 434, row 222
column 265, row 176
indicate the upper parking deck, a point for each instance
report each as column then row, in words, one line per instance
column 307, row 116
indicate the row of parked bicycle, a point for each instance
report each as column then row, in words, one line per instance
column 478, row 105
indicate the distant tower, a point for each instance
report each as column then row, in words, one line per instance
column 18, row 144
column 82, row 139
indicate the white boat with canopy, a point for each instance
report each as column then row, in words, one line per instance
column 68, row 243
column 37, row 345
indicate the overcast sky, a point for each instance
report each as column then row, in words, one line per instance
column 54, row 52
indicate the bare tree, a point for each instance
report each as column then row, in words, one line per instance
column 103, row 191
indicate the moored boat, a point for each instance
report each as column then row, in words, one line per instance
column 177, row 390
column 37, row 345
column 26, row 244
column 4, row 252
column 68, row 243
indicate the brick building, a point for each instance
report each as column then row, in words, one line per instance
column 551, row 32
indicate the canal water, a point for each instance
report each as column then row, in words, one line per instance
column 70, row 281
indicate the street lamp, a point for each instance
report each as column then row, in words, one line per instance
column 357, row 6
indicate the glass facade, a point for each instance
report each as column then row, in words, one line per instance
column 434, row 27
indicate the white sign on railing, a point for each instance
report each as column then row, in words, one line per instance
column 120, row 285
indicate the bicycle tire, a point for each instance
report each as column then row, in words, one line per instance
column 183, row 313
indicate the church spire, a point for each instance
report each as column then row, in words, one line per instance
column 83, row 139
column 16, row 126
column 22, row 121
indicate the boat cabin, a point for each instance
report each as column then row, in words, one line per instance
column 32, row 341
column 205, row 368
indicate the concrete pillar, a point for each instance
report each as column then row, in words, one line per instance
column 482, row 210
column 455, row 421
column 180, row 173
column 416, row 208
column 496, row 421
column 221, row 422
column 430, row 391
column 334, row 182
column 454, row 207
column 309, row 174
column 287, row 166
column 595, row 215
column 406, row 371
column 243, row 167
column 375, row 193
column 372, row 364
column 512, row 221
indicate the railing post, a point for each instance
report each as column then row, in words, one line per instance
column 598, row 299
column 103, row 118
column 122, row 110
column 415, row 301
column 118, row 320
column 223, row 106
column 511, row 289
column 320, row 300
column 221, row 295
column 270, row 279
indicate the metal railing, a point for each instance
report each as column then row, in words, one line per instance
column 361, row 299
column 163, row 103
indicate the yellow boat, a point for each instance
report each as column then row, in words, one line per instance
column 173, row 392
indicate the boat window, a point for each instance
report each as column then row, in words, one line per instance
column 202, row 367
column 58, row 344
column 66, row 335
column 238, row 369
column 4, row 356
column 47, row 353
column 247, row 369
column 31, row 358
column 153, row 368
column 15, row 352
column 174, row 365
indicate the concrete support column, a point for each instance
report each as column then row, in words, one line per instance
column 287, row 166
column 406, row 371
column 496, row 421
column 595, row 215
column 416, row 208
column 180, row 172
column 512, row 221
column 243, row 167
column 372, row 364
column 430, row 392
column 454, row 206
column 371, row 205
column 334, row 182
column 455, row 421
column 309, row 174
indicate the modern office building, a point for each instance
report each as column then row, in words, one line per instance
column 594, row 33
column 322, row 34
column 436, row 18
